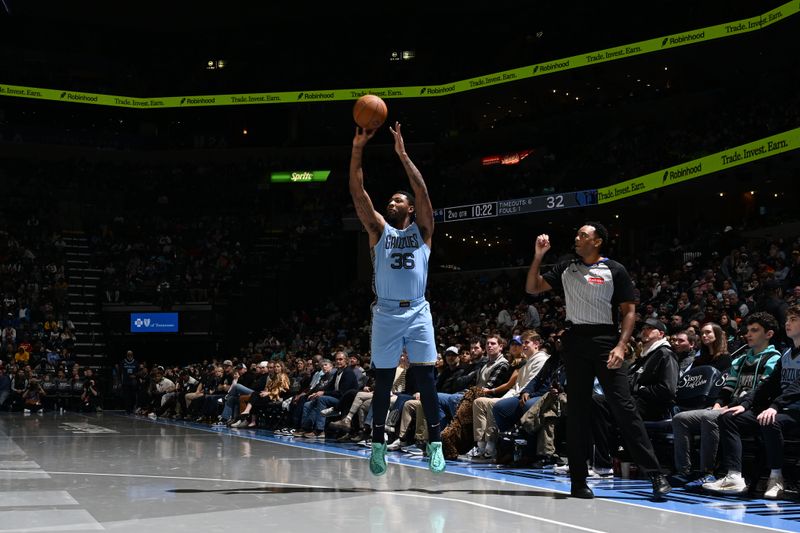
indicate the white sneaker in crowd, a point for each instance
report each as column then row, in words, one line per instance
column 475, row 452
column 774, row 488
column 396, row 445
column 727, row 485
column 561, row 470
column 597, row 472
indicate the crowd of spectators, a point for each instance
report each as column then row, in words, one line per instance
column 35, row 329
column 156, row 260
column 499, row 357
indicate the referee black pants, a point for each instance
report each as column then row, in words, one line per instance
column 586, row 350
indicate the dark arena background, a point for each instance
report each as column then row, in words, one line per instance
column 174, row 184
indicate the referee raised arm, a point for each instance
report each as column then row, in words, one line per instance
column 597, row 290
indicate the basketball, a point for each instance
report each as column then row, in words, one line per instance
column 370, row 112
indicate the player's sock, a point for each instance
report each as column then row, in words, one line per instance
column 423, row 374
column 384, row 377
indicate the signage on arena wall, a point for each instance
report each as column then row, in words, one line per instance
column 657, row 44
column 301, row 176
column 740, row 155
column 154, row 322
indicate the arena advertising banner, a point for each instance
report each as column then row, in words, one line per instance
column 657, row 44
column 154, row 322
column 299, row 176
column 740, row 155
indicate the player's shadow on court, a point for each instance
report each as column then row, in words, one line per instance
column 359, row 490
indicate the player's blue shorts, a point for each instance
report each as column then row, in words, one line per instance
column 402, row 323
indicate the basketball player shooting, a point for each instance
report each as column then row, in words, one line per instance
column 400, row 243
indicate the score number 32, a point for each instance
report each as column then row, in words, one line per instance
column 554, row 202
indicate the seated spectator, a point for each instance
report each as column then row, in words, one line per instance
column 682, row 344
column 448, row 381
column 535, row 382
column 237, row 390
column 473, row 362
column 90, row 397
column 33, row 397
column 772, row 409
column 63, row 389
column 19, row 384
column 484, row 427
column 188, row 388
column 357, row 421
column 214, row 389
column 746, row 372
column 50, row 390
column 653, row 380
column 269, row 399
column 158, row 388
column 267, row 373
column 345, row 379
column 5, row 386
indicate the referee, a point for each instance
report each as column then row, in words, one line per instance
column 594, row 346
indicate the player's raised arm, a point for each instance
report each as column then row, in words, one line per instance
column 372, row 220
column 423, row 207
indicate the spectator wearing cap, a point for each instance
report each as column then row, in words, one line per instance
column 653, row 380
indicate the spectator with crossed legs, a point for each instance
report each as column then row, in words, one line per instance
column 237, row 390
column 267, row 370
column 344, row 380
column 276, row 387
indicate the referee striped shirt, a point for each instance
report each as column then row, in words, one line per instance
column 592, row 292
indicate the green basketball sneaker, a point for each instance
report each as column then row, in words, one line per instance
column 436, row 457
column 377, row 459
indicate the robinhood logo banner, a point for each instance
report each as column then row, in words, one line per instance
column 547, row 67
column 300, row 176
column 746, row 153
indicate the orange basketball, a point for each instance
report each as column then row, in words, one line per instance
column 370, row 112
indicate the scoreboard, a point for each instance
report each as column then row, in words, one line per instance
column 518, row 206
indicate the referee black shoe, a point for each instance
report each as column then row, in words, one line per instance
column 661, row 486
column 581, row 491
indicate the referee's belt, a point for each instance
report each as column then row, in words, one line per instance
column 400, row 303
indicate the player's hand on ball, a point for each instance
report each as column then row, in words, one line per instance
column 542, row 244
column 362, row 136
